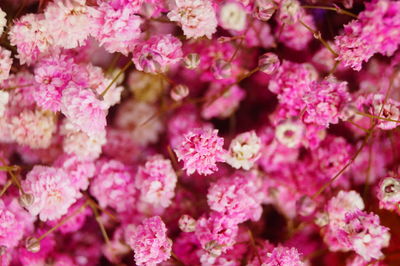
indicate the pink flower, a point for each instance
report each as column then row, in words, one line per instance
column 150, row 242
column 216, row 234
column 284, row 256
column 388, row 193
column 83, row 110
column 3, row 21
column 29, row 35
column 375, row 31
column 157, row 53
column 200, row 150
column 116, row 28
column 237, row 197
column 5, row 62
column 196, row 17
column 244, row 150
column 33, row 128
column 156, row 181
column 113, row 186
column 73, row 15
column 11, row 229
column 52, row 191
column 324, row 101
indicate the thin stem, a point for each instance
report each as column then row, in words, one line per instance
column 336, row 9
column 172, row 156
column 357, row 126
column 173, row 255
column 63, row 221
column 318, row 36
column 377, row 117
column 98, row 220
column 113, row 63
column 6, row 186
column 112, row 216
column 253, row 244
column 127, row 65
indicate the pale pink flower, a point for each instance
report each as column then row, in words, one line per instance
column 11, row 229
column 82, row 145
column 150, row 242
column 84, row 110
column 68, row 22
column 4, row 97
column 237, row 197
column 33, row 128
column 3, row 21
column 113, row 186
column 244, row 150
column 5, row 63
column 157, row 53
column 52, row 191
column 283, row 256
column 196, row 17
column 232, row 16
column 200, row 151
column 29, row 35
column 156, row 181
column 224, row 105
column 117, row 29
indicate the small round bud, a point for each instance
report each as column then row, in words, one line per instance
column 264, row 9
column 191, row 61
column 187, row 223
column 32, row 244
column 26, row 200
column 213, row 248
column 321, row 219
column 232, row 16
column 3, row 250
column 179, row 92
column 222, row 69
column 290, row 133
column 268, row 63
column 150, row 63
column 390, row 188
column 305, row 206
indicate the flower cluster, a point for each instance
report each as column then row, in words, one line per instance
column 199, row 132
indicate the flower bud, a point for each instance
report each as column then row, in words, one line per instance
column 268, row 63
column 232, row 16
column 305, row 206
column 264, row 9
column 26, row 200
column 191, row 61
column 179, row 92
column 150, row 63
column 187, row 223
column 390, row 188
column 222, row 69
column 32, row 244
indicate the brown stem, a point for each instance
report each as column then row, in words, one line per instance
column 336, row 9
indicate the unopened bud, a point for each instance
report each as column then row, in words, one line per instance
column 32, row 244
column 222, row 69
column 179, row 92
column 187, row 223
column 213, row 248
column 264, row 9
column 191, row 61
column 305, row 206
column 321, row 219
column 26, row 200
column 390, row 188
column 268, row 63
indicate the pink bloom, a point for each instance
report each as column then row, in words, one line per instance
column 5, row 63
column 11, row 229
column 33, row 128
column 29, row 35
column 83, row 110
column 73, row 15
column 283, row 256
column 3, row 21
column 295, row 35
column 375, row 31
column 244, row 150
column 200, row 150
column 52, row 191
column 389, row 193
column 116, row 28
column 324, row 101
column 150, row 242
column 237, row 197
column 196, row 17
column 157, row 53
column 113, row 186
column 156, row 181
column 216, row 234
column 222, row 106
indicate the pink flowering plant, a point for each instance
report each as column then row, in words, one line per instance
column 199, row 132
